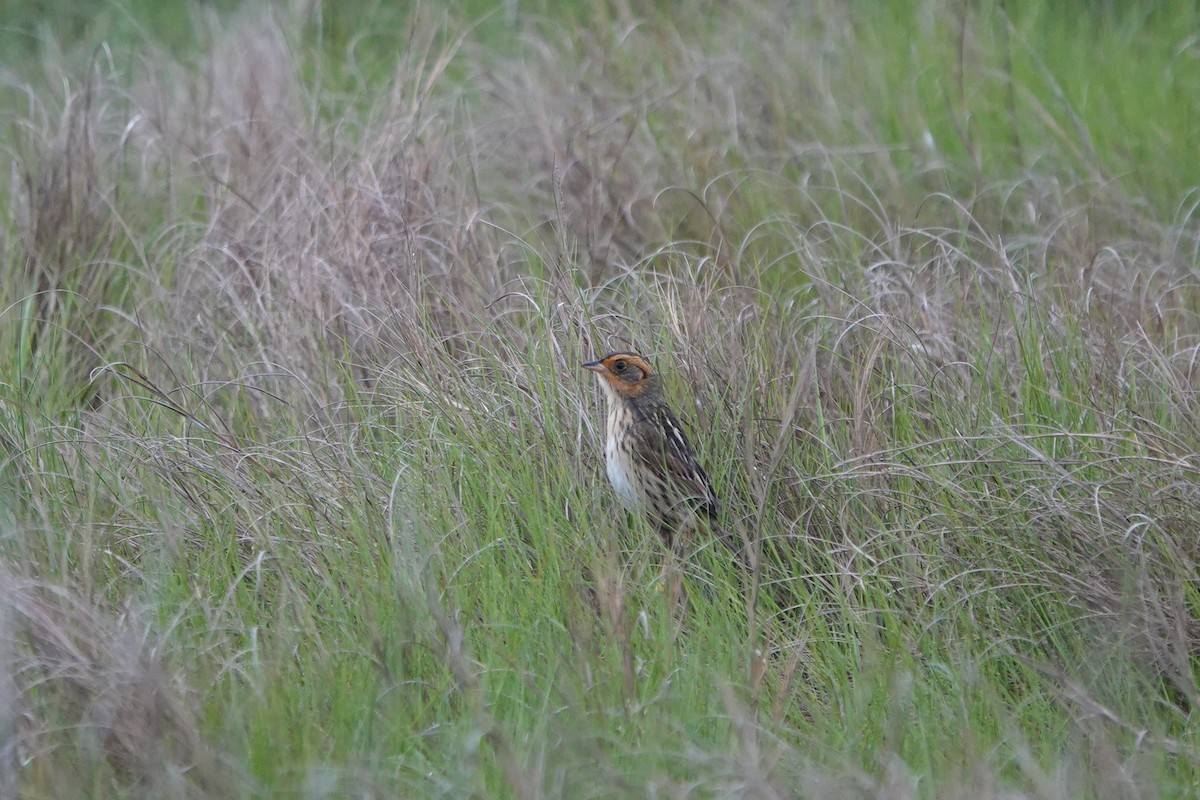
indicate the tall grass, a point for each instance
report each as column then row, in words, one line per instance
column 300, row 483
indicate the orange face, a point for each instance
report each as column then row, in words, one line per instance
column 627, row 374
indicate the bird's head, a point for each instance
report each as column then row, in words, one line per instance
column 624, row 375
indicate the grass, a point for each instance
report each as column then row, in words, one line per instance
column 300, row 484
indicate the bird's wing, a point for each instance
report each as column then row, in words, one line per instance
column 664, row 443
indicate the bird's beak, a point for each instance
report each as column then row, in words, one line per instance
column 594, row 366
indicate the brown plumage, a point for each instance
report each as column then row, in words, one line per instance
column 650, row 461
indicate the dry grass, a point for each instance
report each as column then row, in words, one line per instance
column 88, row 698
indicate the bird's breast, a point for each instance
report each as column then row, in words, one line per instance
column 618, row 459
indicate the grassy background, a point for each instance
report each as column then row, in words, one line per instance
column 300, row 483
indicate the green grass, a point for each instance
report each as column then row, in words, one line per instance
column 301, row 490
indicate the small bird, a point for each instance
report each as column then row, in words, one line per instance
column 650, row 461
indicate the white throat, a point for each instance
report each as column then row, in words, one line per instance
column 617, row 462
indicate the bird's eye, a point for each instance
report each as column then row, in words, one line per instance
column 619, row 366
